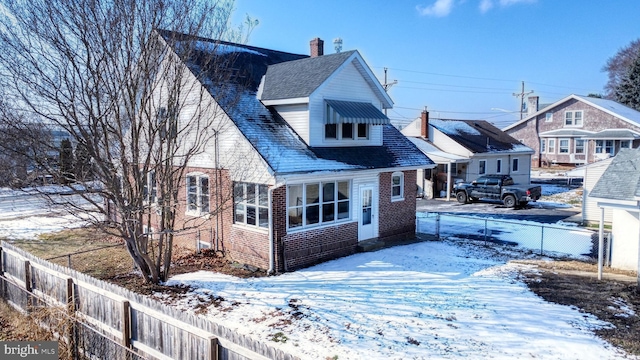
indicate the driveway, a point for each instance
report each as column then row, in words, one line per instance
column 540, row 211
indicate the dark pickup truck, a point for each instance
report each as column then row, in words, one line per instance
column 497, row 187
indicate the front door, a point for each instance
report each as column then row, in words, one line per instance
column 367, row 216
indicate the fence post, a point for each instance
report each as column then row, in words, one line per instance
column 542, row 241
column 69, row 261
column 73, row 327
column 438, row 226
column 1, row 262
column 485, row 232
column 126, row 324
column 213, row 348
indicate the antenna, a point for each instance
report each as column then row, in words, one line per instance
column 337, row 44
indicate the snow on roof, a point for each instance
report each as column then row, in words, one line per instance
column 614, row 107
column 433, row 151
column 479, row 136
column 454, row 127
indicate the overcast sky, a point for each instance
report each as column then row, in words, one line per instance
column 461, row 58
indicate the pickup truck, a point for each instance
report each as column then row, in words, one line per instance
column 497, row 187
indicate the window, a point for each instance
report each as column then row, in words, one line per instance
column 563, row 146
column 625, row 144
column 499, row 166
column 552, row 146
column 548, row 117
column 251, row 204
column 167, row 124
column 482, row 167
column 197, row 194
column 150, row 188
column 492, row 181
column 397, row 186
column 604, row 147
column 363, row 131
column 337, row 131
column 543, row 146
column 573, row 118
column 579, row 146
column 318, row 203
column 514, row 166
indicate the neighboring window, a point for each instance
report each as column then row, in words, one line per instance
column 198, row 194
column 552, row 146
column 543, row 146
column 363, row 131
column 427, row 174
column 515, row 165
column 251, row 204
column 573, row 118
column 499, row 166
column 167, row 124
column 625, row 144
column 548, row 117
column 150, row 188
column 454, row 168
column 397, row 186
column 331, row 131
column 563, row 146
column 579, row 146
column 482, row 167
column 317, row 203
column 604, row 147
column 346, row 131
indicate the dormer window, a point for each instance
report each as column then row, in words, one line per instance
column 348, row 120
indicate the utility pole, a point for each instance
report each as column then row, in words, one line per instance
column 387, row 85
column 521, row 95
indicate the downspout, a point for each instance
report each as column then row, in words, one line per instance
column 601, row 243
column 271, row 239
column 449, row 181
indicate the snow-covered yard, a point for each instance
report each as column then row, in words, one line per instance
column 420, row 301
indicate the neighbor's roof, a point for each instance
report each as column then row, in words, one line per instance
column 621, row 179
column 272, row 137
column 614, row 134
column 434, row 153
column 616, row 109
column 479, row 136
column 566, row 132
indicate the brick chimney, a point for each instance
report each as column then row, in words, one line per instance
column 317, row 47
column 532, row 105
column 424, row 124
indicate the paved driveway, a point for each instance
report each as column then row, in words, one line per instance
column 541, row 211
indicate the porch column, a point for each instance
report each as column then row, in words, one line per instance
column 601, row 243
column 448, row 182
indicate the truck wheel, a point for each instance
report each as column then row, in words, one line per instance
column 461, row 196
column 509, row 201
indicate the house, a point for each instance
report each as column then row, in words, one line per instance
column 592, row 173
column 576, row 130
column 619, row 190
column 463, row 150
column 313, row 165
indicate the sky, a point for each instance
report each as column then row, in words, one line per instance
column 462, row 59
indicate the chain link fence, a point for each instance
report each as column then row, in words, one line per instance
column 545, row 239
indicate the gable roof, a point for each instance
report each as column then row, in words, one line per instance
column 479, row 136
column 621, row 179
column 278, row 144
column 616, row 109
column 300, row 78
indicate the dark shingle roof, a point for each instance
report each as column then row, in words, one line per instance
column 272, row 137
column 621, row 179
column 294, row 79
column 479, row 136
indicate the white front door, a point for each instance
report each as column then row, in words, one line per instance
column 367, row 215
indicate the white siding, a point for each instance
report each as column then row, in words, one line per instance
column 413, row 129
column 298, row 118
column 625, row 231
column 345, row 84
column 446, row 144
column 590, row 209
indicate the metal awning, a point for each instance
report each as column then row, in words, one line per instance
column 351, row 112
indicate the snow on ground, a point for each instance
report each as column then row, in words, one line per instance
column 420, row 301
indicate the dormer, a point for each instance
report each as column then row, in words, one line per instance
column 329, row 100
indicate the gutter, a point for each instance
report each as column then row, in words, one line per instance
column 271, row 239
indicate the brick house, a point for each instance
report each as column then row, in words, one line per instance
column 576, row 130
column 307, row 165
column 464, row 150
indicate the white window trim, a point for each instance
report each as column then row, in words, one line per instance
column 573, row 118
column 560, row 146
column 543, row 146
column 604, row 147
column 498, row 168
column 320, row 224
column 515, row 161
column 401, row 196
column 198, row 211
column 548, row 117
column 551, row 144
column 575, row 146
column 256, row 204
column 485, row 167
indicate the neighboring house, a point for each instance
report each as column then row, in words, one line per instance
column 619, row 190
column 592, row 173
column 464, row 150
column 576, row 130
column 313, row 164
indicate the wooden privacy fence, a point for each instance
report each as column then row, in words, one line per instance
column 150, row 328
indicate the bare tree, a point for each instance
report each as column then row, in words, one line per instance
column 618, row 65
column 109, row 73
